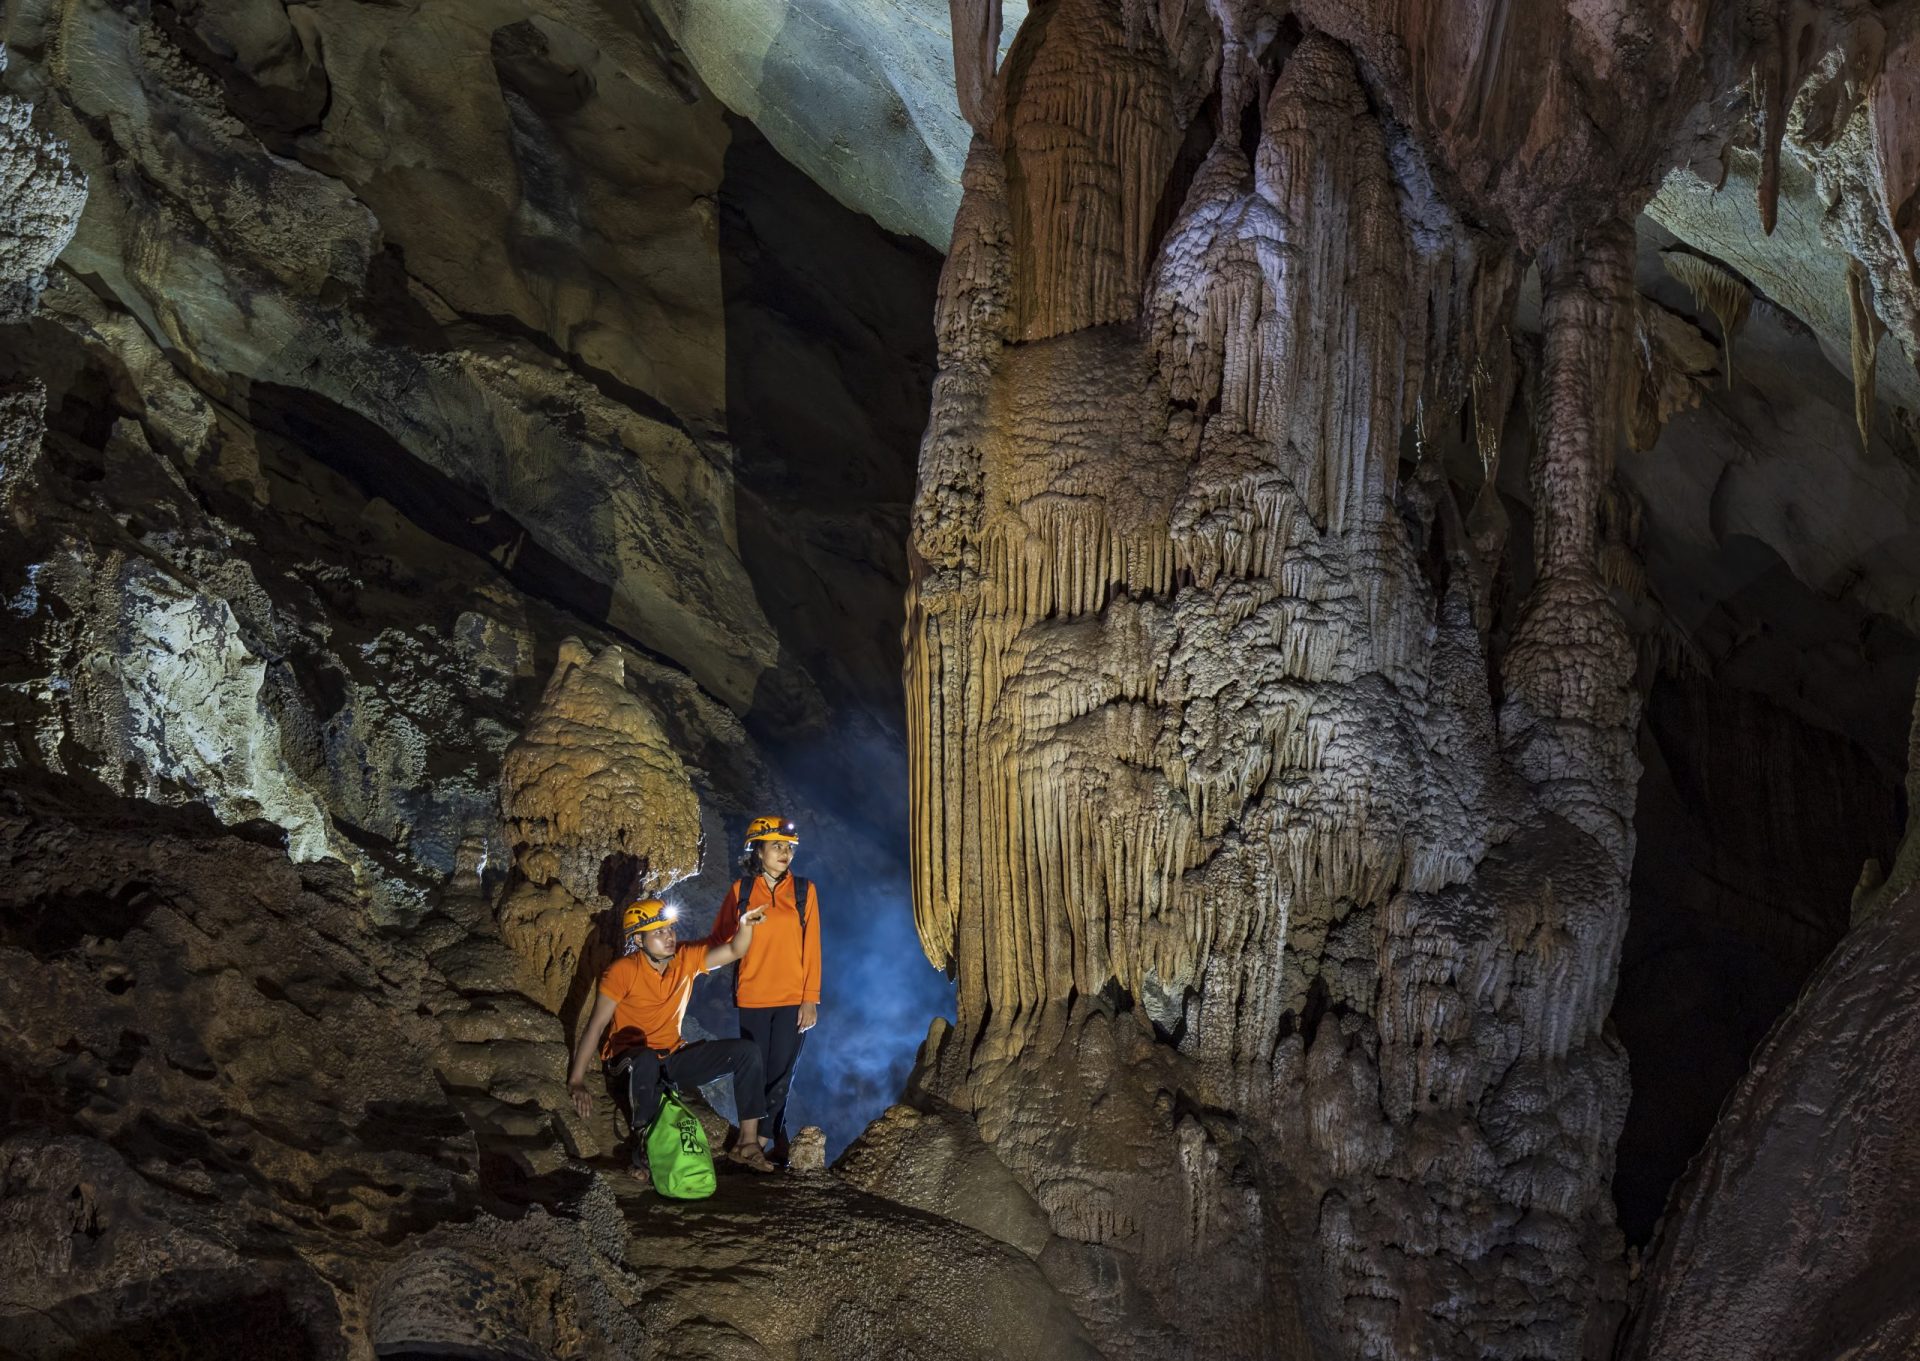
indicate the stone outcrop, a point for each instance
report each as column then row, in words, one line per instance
column 593, row 777
column 813, row 1266
column 209, row 1052
column 1792, row 1235
column 437, row 285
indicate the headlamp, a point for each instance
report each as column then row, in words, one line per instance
column 650, row 914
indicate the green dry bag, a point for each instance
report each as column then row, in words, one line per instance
column 677, row 1153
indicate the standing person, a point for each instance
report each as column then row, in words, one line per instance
column 642, row 998
column 777, row 989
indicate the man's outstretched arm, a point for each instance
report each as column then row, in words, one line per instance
column 722, row 955
column 583, row 1049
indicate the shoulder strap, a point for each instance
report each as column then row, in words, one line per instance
column 742, row 891
column 743, row 888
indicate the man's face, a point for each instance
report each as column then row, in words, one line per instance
column 775, row 856
column 659, row 944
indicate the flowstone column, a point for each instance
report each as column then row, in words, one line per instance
column 1281, row 964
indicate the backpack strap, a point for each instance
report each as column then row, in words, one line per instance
column 741, row 889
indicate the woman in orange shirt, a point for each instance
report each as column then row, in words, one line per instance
column 777, row 988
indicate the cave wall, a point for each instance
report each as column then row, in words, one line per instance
column 1792, row 1235
column 521, row 315
column 375, row 489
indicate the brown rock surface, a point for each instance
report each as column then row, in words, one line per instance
column 1792, row 1235
column 937, row 1162
column 209, row 1053
column 804, row 1266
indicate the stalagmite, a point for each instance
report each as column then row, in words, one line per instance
column 594, row 776
column 1714, row 289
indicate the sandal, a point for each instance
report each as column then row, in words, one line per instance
column 751, row 1157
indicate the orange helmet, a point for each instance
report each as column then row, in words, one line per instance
column 772, row 828
column 649, row 914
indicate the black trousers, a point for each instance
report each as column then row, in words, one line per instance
column 690, row 1066
column 777, row 1039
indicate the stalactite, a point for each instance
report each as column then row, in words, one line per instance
column 1863, row 337
column 976, row 52
column 1715, row 289
column 1089, row 132
column 1669, row 359
column 1782, row 68
column 1322, row 164
column 1894, row 107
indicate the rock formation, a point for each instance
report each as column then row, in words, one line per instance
column 1214, row 819
column 594, row 775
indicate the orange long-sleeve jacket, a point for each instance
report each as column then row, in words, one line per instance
column 782, row 964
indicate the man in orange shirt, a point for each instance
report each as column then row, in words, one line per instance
column 642, row 998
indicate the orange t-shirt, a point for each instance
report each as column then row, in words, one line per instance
column 649, row 1003
column 782, row 965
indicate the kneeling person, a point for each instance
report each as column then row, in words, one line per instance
column 642, row 998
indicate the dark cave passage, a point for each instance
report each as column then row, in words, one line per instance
column 1753, row 825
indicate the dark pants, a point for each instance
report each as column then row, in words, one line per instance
column 777, row 1040
column 692, row 1065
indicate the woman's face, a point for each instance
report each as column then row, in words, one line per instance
column 775, row 856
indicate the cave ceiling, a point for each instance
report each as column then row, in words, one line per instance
column 858, row 93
